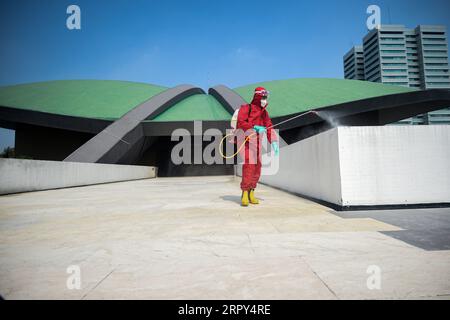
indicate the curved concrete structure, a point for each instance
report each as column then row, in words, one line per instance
column 227, row 97
column 122, row 137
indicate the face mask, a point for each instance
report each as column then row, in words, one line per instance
column 263, row 103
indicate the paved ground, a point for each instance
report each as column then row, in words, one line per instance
column 428, row 229
column 189, row 238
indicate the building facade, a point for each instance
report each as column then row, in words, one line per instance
column 393, row 54
column 354, row 63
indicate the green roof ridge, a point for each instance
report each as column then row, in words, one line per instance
column 195, row 107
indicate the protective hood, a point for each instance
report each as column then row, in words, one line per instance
column 257, row 96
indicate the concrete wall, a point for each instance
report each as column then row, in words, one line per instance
column 385, row 165
column 394, row 164
column 17, row 175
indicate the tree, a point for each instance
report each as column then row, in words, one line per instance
column 8, row 152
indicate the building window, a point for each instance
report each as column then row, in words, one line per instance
column 436, row 58
column 439, row 83
column 391, row 38
column 429, row 45
column 395, row 77
column 434, row 39
column 394, row 64
column 436, row 70
column 398, row 83
column 436, row 64
column 392, row 51
column 392, row 45
column 392, row 32
column 435, row 51
column 437, row 77
column 394, row 70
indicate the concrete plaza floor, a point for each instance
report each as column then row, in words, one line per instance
column 188, row 238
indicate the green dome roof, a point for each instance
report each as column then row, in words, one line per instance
column 302, row 94
column 100, row 99
column 107, row 99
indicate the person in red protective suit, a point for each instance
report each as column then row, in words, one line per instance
column 254, row 118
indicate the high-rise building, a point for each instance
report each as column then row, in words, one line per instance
column 354, row 63
column 393, row 54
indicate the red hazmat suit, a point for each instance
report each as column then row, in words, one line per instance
column 248, row 117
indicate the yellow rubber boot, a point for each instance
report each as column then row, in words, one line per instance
column 252, row 197
column 244, row 198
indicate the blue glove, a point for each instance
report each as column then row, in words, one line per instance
column 275, row 147
column 259, row 129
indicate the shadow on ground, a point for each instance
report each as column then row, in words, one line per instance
column 427, row 229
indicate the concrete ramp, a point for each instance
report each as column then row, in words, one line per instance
column 18, row 175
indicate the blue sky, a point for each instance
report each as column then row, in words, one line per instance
column 202, row 42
